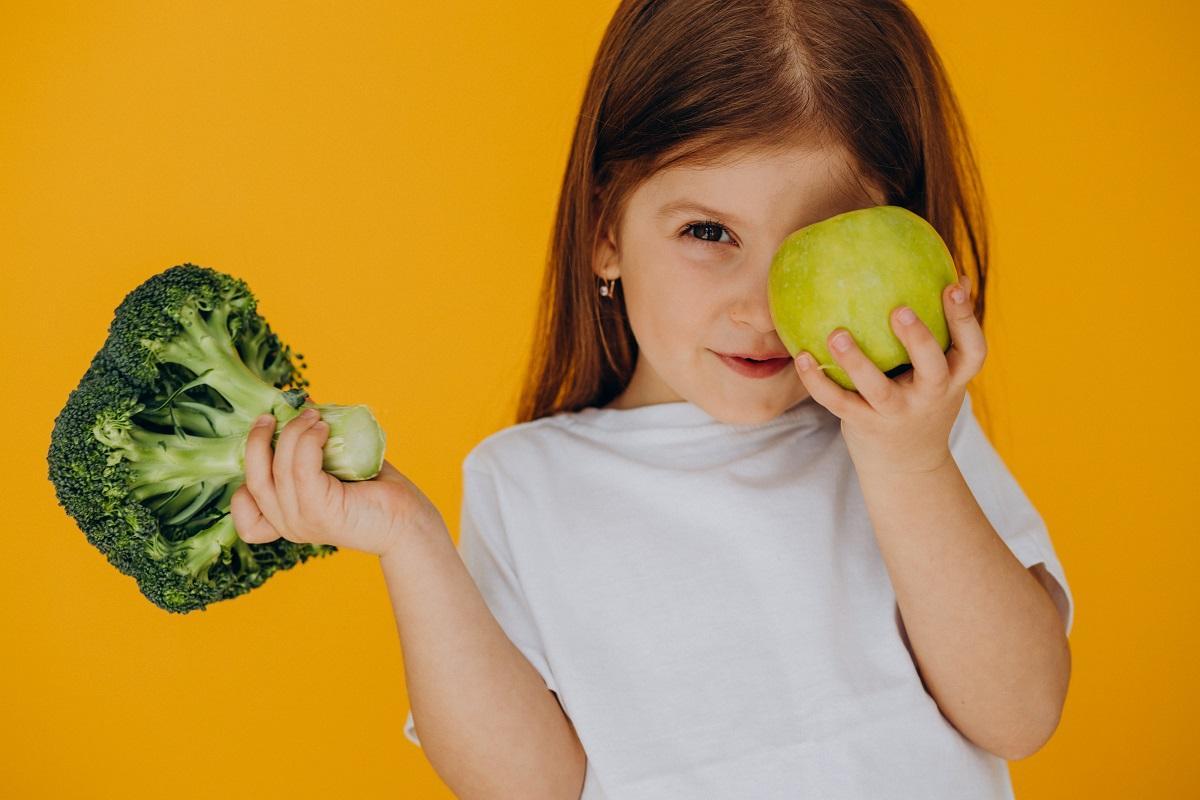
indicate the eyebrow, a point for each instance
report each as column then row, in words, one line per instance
column 677, row 206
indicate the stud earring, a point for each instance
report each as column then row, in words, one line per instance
column 606, row 289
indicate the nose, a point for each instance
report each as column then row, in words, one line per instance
column 750, row 306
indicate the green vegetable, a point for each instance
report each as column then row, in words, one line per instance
column 148, row 449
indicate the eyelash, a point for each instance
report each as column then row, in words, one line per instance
column 705, row 224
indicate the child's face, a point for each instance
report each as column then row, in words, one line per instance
column 694, row 290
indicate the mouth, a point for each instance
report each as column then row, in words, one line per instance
column 754, row 368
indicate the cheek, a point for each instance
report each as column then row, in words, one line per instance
column 671, row 308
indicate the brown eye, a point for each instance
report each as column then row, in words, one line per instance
column 709, row 232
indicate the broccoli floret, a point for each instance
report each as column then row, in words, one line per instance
column 148, row 449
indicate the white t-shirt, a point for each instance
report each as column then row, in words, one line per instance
column 710, row 605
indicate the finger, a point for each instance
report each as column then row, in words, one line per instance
column 839, row 401
column 872, row 384
column 924, row 352
column 282, row 470
column 248, row 519
column 968, row 347
column 313, row 484
column 257, row 464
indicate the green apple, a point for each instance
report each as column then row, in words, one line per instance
column 851, row 271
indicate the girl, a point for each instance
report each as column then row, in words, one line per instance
column 683, row 575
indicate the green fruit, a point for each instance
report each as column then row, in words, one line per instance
column 851, row 271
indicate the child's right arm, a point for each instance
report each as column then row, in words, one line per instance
column 487, row 722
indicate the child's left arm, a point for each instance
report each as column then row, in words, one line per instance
column 987, row 638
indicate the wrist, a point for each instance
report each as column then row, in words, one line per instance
column 907, row 466
column 404, row 533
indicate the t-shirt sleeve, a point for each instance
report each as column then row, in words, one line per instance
column 1008, row 509
column 483, row 545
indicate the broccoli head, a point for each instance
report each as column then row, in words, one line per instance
column 148, row 449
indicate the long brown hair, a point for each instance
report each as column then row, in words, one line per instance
column 681, row 81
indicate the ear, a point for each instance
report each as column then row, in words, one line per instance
column 605, row 260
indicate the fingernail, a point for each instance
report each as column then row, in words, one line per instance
column 263, row 420
column 309, row 413
column 804, row 362
column 907, row 316
column 841, row 342
column 962, row 289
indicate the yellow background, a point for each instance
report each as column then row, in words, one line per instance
column 384, row 177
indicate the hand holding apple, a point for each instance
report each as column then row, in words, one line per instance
column 866, row 276
column 852, row 270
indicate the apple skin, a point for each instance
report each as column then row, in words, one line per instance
column 851, row 271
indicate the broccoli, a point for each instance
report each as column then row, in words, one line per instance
column 148, row 449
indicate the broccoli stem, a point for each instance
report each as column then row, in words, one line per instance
column 204, row 549
column 194, row 417
column 163, row 463
column 355, row 447
column 206, row 348
column 191, row 469
column 195, row 555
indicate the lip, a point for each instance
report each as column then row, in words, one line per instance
column 755, row 356
column 748, row 369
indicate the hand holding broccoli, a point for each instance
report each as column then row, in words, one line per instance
column 288, row 495
column 147, row 453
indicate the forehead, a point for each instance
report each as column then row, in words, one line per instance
column 760, row 182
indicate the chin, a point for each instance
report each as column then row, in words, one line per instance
column 746, row 415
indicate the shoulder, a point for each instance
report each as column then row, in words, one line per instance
column 521, row 446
